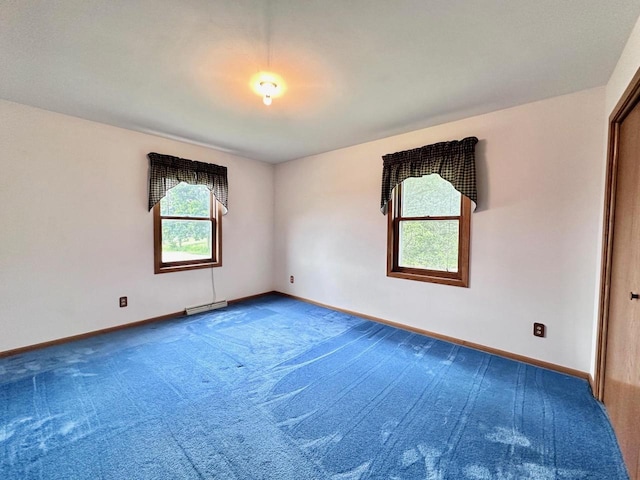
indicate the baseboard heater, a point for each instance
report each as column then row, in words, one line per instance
column 206, row 307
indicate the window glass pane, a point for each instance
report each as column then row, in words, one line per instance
column 429, row 244
column 186, row 240
column 429, row 196
column 185, row 200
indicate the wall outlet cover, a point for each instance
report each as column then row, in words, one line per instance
column 539, row 329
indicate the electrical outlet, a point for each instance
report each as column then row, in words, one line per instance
column 123, row 302
column 539, row 329
column 291, row 279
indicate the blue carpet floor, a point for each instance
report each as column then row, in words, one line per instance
column 279, row 389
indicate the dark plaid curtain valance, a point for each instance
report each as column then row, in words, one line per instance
column 165, row 172
column 454, row 161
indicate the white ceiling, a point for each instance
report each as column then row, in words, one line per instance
column 356, row 70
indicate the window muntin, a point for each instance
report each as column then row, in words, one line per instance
column 429, row 229
column 187, row 229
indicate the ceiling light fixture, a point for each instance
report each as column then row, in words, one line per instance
column 266, row 84
column 267, row 89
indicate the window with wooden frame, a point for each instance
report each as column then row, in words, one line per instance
column 187, row 229
column 429, row 230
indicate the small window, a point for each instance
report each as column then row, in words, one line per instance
column 428, row 232
column 187, row 229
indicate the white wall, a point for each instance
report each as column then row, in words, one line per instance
column 75, row 233
column 624, row 71
column 534, row 236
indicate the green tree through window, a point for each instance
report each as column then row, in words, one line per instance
column 429, row 232
column 187, row 224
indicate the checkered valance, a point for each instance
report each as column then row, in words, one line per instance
column 454, row 161
column 165, row 172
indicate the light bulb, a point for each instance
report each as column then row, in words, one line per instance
column 267, row 89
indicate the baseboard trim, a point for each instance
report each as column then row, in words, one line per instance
column 170, row 316
column 457, row 341
column 93, row 333
column 252, row 297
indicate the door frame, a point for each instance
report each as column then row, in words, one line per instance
column 627, row 102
